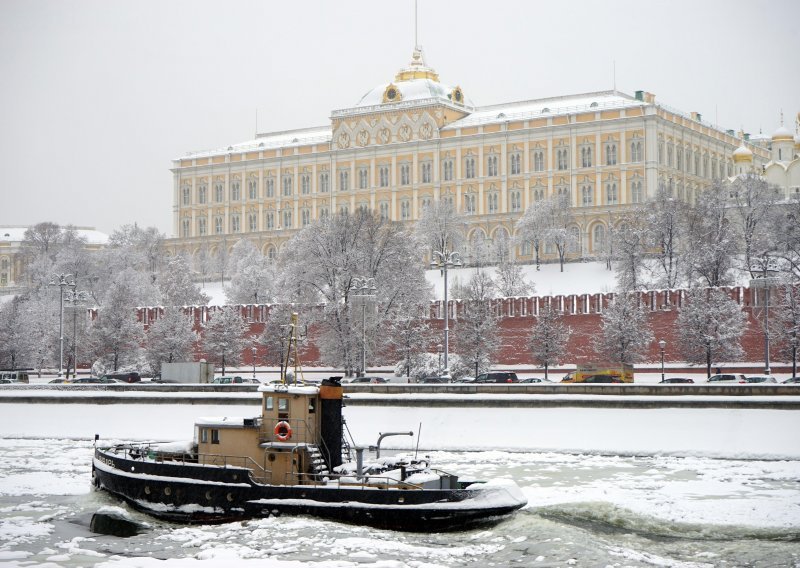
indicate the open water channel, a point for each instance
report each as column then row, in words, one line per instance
column 584, row 510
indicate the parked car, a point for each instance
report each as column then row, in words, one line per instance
column 602, row 379
column 125, row 377
column 497, row 377
column 60, row 380
column 464, row 380
column 104, row 380
column 759, row 379
column 535, row 380
column 792, row 381
column 726, row 378
column 368, row 380
column 234, row 381
column 676, row 380
column 435, row 380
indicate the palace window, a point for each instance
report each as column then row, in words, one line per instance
column 425, row 202
column 269, row 220
column 383, row 176
column 405, row 210
column 586, row 157
column 287, row 218
column 516, row 163
column 236, row 191
column 611, row 154
column 323, row 212
column 363, row 208
column 324, row 182
column 447, row 170
column 287, row 185
column 469, row 167
column 305, row 217
column 252, row 222
column 599, row 238
column 235, row 224
column 516, row 200
column 538, row 194
column 202, row 192
column 185, row 226
column 425, row 170
column 611, row 193
column 669, row 155
column 636, row 192
column 363, row 178
column 469, row 203
column 186, row 191
column 270, row 187
column 587, row 195
column 384, row 210
column 219, row 192
column 252, row 188
column 491, row 166
column 562, row 159
column 344, row 180
column 563, row 195
column 405, row 174
column 714, row 168
column 344, row 209
column 217, row 225
column 494, row 200
column 697, row 164
column 201, row 226
column 636, row 151
column 448, row 199
column 305, row 184
column 538, row 160
column 705, row 165
column 679, row 158
column 660, row 152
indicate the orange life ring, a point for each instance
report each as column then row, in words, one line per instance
column 283, row 431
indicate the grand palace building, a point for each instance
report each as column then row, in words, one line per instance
column 414, row 140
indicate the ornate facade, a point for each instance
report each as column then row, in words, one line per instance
column 414, row 140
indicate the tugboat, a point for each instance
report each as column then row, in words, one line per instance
column 289, row 460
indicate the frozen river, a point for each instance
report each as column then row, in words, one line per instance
column 584, row 510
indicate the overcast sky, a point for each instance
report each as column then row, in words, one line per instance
column 97, row 98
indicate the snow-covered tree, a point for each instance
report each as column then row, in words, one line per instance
column 558, row 229
column 533, row 226
column 170, row 339
column 12, row 334
column 116, row 335
column 322, row 264
column 753, row 200
column 548, row 339
column 786, row 238
column 626, row 334
column 251, row 275
column 39, row 320
column 147, row 243
column 510, row 280
column 665, row 218
column 477, row 337
column 631, row 244
column 203, row 262
column 176, row 286
column 787, row 319
column 441, row 228
column 409, row 337
column 42, row 240
column 713, row 238
column 225, row 337
column 710, row 327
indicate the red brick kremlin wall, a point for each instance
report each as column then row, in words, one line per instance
column 582, row 313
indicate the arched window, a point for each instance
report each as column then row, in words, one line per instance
column 598, row 239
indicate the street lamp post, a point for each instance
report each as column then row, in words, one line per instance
column 364, row 289
column 62, row 281
column 254, row 361
column 662, row 344
column 439, row 350
column 794, row 354
column 443, row 260
column 765, row 282
column 75, row 297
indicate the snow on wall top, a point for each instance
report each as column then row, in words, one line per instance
column 17, row 234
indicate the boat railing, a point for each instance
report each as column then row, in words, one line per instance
column 302, row 431
column 350, row 480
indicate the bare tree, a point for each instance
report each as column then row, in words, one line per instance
column 548, row 340
column 710, row 327
column 631, row 241
column 626, row 334
column 712, row 238
column 665, row 219
column 42, row 239
column 170, row 339
column 558, row 233
column 251, row 275
column 12, row 333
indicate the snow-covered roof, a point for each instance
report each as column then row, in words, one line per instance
column 413, row 90
column 17, row 234
column 782, row 133
column 281, row 139
column 542, row 108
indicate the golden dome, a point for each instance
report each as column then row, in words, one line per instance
column 417, row 69
column 742, row 154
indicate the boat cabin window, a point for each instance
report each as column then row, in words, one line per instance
column 283, row 408
column 269, row 403
column 203, row 435
column 214, row 436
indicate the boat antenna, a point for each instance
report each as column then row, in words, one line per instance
column 419, row 432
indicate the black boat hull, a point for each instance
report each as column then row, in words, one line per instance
column 193, row 493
